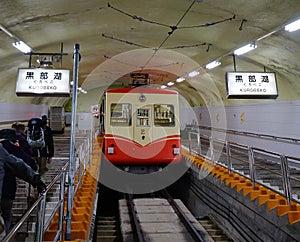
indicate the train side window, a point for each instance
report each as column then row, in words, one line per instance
column 164, row 115
column 120, row 114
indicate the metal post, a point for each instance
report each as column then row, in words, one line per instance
column 234, row 63
column 211, row 145
column 228, row 156
column 41, row 219
column 199, row 142
column 71, row 173
column 90, row 148
column 61, row 206
column 251, row 165
column 61, row 53
column 286, row 179
column 30, row 59
column 190, row 142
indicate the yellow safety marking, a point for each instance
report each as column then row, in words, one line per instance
column 244, row 185
column 83, row 200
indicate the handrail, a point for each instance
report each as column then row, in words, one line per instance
column 12, row 233
column 60, row 176
column 17, row 226
column 40, row 203
column 261, row 135
column 251, row 153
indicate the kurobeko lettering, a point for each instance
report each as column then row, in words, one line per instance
column 43, row 87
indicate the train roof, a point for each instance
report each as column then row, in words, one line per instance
column 141, row 90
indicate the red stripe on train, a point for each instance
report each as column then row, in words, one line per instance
column 128, row 152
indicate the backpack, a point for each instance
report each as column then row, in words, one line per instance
column 35, row 133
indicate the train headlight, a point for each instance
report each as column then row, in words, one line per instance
column 176, row 151
column 110, row 150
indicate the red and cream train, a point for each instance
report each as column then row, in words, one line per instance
column 141, row 127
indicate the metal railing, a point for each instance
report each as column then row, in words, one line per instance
column 245, row 133
column 38, row 209
column 278, row 172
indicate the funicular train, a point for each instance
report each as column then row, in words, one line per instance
column 142, row 129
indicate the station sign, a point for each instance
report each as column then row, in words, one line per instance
column 251, row 85
column 43, row 82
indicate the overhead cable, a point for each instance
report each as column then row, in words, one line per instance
column 143, row 46
column 172, row 27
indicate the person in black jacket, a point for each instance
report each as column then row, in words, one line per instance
column 17, row 167
column 49, row 152
column 44, row 154
column 9, row 141
column 22, row 138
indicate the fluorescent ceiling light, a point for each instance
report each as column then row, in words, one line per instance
column 170, row 83
column 163, row 87
column 293, row 26
column 180, row 79
column 245, row 49
column 194, row 73
column 21, row 46
column 81, row 90
column 213, row 64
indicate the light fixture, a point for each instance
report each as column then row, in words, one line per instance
column 245, row 49
column 45, row 60
column 193, row 73
column 213, row 64
column 21, row 46
column 163, row 87
column 293, row 26
column 180, row 79
column 80, row 89
column 170, row 83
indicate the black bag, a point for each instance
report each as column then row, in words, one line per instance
column 35, row 133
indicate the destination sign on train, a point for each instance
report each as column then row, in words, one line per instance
column 251, row 85
column 45, row 82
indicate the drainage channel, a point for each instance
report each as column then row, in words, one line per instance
column 107, row 227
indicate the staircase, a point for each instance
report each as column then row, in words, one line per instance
column 108, row 230
column 213, row 230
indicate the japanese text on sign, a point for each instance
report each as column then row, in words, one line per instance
column 43, row 81
column 247, row 85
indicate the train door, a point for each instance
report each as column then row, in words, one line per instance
column 142, row 126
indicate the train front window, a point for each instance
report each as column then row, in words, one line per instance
column 164, row 115
column 143, row 116
column 120, row 114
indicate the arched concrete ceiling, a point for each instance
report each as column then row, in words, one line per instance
column 119, row 37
